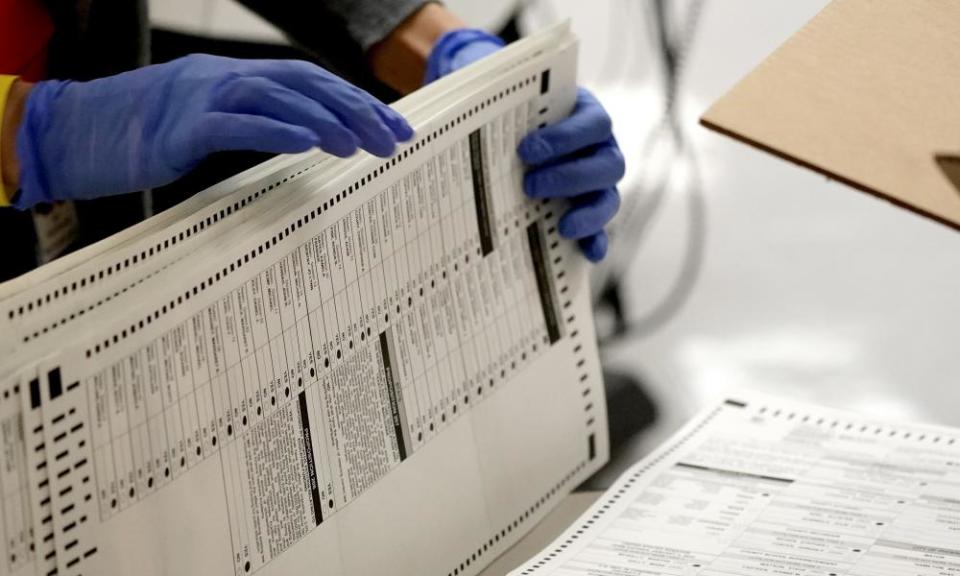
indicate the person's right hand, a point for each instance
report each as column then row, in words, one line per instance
column 148, row 127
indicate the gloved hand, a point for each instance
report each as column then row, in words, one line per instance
column 576, row 158
column 148, row 127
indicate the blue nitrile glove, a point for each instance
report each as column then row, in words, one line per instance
column 148, row 127
column 576, row 158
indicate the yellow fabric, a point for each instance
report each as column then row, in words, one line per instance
column 5, row 83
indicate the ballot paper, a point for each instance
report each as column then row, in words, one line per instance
column 351, row 366
column 769, row 486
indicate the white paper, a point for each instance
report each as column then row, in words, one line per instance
column 774, row 487
column 358, row 366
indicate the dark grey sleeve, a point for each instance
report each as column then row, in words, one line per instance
column 370, row 21
column 311, row 23
column 337, row 33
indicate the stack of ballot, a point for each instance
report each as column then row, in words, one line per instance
column 356, row 366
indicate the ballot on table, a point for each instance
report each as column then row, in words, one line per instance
column 760, row 486
column 351, row 366
column 866, row 93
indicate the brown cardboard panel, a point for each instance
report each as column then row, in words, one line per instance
column 868, row 93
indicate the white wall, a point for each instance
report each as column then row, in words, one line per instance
column 218, row 18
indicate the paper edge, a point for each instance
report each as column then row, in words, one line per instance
column 710, row 124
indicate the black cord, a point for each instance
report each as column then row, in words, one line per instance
column 634, row 223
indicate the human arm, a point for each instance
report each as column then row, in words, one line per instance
column 13, row 96
column 145, row 128
column 400, row 60
column 576, row 158
column 389, row 39
column 343, row 35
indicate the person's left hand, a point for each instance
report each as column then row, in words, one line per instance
column 576, row 158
